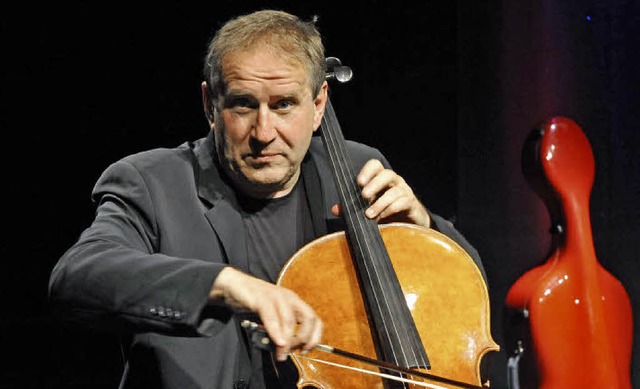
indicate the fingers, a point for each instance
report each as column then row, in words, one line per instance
column 309, row 332
column 290, row 322
column 389, row 196
column 336, row 210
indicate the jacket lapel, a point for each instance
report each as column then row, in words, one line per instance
column 228, row 225
column 321, row 189
column 224, row 213
column 313, row 189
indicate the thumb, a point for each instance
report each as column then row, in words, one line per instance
column 336, row 209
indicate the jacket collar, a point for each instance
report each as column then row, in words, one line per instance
column 223, row 212
column 213, row 185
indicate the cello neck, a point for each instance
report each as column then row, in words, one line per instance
column 393, row 326
column 352, row 203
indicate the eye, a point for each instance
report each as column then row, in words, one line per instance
column 283, row 105
column 240, row 103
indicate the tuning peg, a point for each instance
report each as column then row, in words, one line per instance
column 335, row 70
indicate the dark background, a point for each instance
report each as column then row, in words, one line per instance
column 447, row 90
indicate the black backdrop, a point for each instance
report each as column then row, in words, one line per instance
column 448, row 90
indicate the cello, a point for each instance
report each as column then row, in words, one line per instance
column 568, row 319
column 403, row 305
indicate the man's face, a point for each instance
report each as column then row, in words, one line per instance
column 264, row 121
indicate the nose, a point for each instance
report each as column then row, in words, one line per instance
column 263, row 129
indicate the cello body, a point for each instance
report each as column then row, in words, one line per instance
column 569, row 319
column 443, row 288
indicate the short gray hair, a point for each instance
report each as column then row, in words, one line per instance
column 283, row 32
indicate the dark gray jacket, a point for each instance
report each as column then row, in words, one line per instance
column 166, row 224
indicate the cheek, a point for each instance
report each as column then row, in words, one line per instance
column 233, row 131
column 299, row 131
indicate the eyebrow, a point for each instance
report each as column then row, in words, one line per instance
column 233, row 95
column 238, row 93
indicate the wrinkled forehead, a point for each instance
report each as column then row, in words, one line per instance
column 276, row 45
column 265, row 62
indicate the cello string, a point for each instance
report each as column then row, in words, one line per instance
column 335, row 146
column 345, row 176
column 339, row 147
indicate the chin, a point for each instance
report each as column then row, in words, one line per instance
column 268, row 183
column 266, row 176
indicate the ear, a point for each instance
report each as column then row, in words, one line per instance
column 320, row 103
column 207, row 103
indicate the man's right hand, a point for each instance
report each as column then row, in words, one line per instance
column 290, row 322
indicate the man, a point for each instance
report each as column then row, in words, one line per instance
column 185, row 239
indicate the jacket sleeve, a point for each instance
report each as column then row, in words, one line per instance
column 114, row 278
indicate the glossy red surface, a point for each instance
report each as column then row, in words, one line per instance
column 579, row 315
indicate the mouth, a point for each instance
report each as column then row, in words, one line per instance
column 262, row 158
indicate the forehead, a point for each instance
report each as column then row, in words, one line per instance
column 263, row 67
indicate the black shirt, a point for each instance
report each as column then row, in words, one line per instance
column 276, row 229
